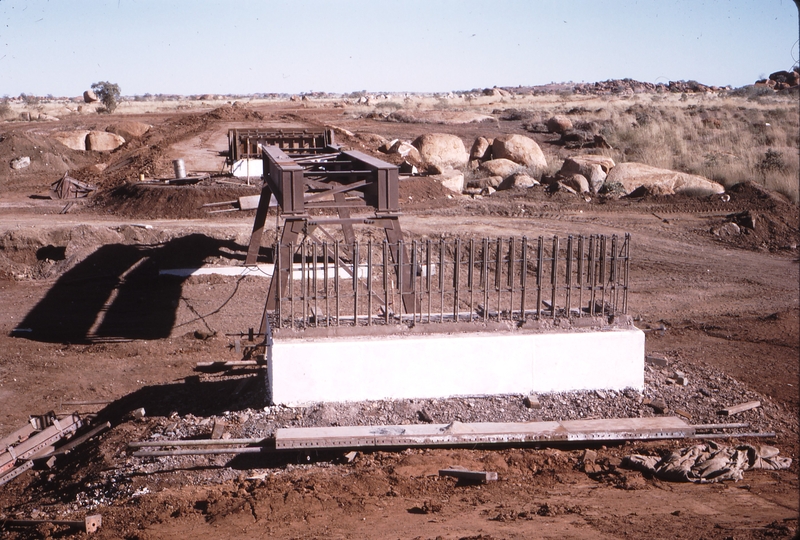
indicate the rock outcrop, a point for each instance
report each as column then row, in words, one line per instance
column 522, row 150
column 441, row 150
column 102, row 141
column 633, row 175
column 129, row 129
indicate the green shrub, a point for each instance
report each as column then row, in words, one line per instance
column 108, row 94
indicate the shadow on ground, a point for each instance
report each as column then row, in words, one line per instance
column 116, row 293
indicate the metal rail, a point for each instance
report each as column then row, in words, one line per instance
column 335, row 283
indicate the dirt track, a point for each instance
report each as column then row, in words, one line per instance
column 723, row 306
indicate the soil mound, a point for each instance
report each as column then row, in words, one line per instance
column 149, row 155
column 148, row 201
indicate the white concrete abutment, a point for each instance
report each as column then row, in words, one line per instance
column 304, row 370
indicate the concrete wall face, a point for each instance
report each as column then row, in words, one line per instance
column 441, row 366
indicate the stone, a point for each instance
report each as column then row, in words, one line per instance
column 406, row 150
column 565, row 188
column 593, row 167
column 656, row 360
column 452, row 180
column 74, row 140
column 518, row 180
column 658, row 406
column 386, row 146
column 559, row 124
column 480, row 149
column 632, row 175
column 520, row 149
column 102, row 141
column 500, row 167
column 20, row 163
column 440, row 150
column 129, row 129
column 531, row 401
column 578, row 182
column 89, row 97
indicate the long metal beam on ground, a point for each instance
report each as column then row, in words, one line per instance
column 459, row 434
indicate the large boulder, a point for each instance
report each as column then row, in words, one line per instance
column 500, row 167
column 518, row 180
column 480, row 149
column 102, row 141
column 452, row 180
column 75, row 140
column 520, row 149
column 129, row 129
column 593, row 167
column 559, row 124
column 441, row 150
column 661, row 181
column 89, row 97
column 578, row 182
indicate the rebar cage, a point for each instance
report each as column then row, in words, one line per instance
column 451, row 280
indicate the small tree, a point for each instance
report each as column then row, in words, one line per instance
column 108, row 93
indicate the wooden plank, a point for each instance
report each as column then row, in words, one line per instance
column 736, row 409
column 458, row 433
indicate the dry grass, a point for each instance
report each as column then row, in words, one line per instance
column 726, row 138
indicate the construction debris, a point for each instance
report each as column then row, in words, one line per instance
column 710, row 462
column 89, row 525
column 70, row 188
column 736, row 409
column 32, row 442
column 481, row 477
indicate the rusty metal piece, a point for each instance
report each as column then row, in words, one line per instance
column 69, row 188
column 90, row 524
column 35, row 443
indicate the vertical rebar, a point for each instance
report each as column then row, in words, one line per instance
column 290, row 283
column 428, row 276
column 580, row 275
column 326, row 276
column 511, row 260
column 627, row 272
column 456, row 278
column 441, row 280
column 523, row 277
column 554, row 276
column 612, row 278
column 471, row 278
column 386, row 281
column 336, row 295
column 414, row 282
column 591, row 274
column 316, row 286
column 485, row 279
column 355, row 283
column 400, row 288
column 539, row 278
column 276, row 274
column 304, row 282
column 569, row 276
column 369, row 282
column 603, row 275
column 498, row 274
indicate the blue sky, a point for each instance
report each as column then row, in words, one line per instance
column 61, row 47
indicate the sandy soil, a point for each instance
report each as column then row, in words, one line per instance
column 729, row 305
